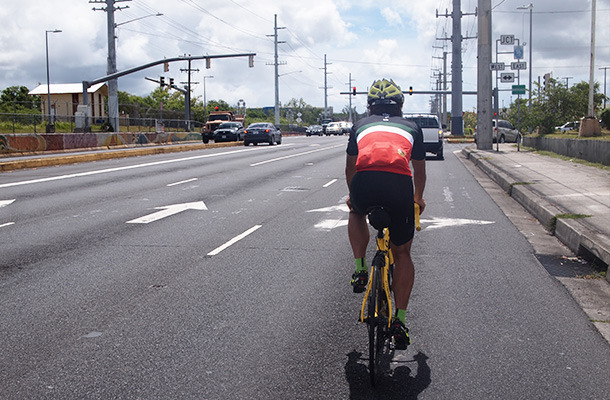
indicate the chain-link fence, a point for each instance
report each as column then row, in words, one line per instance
column 26, row 117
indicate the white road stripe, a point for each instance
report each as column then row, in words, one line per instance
column 7, row 224
column 329, row 183
column 181, row 182
column 105, row 171
column 234, row 240
column 295, row 155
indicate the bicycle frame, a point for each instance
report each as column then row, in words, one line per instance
column 383, row 250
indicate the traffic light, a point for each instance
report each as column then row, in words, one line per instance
column 166, row 67
column 410, row 90
column 547, row 81
column 216, row 108
column 162, row 81
column 171, row 82
column 354, row 91
column 251, row 61
column 207, row 63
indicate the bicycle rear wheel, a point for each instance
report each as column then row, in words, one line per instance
column 378, row 315
column 372, row 325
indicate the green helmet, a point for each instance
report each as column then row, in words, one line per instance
column 385, row 91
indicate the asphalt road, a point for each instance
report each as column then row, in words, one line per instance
column 109, row 288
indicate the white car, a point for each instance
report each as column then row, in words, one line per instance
column 432, row 130
column 568, row 126
column 334, row 128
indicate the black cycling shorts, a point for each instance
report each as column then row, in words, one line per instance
column 389, row 190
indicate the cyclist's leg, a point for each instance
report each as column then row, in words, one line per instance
column 404, row 275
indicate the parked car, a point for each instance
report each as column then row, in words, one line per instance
column 505, row 130
column 334, row 128
column 262, row 132
column 314, row 130
column 229, row 132
column 432, row 130
column 568, row 126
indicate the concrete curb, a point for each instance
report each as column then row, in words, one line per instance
column 574, row 234
column 62, row 159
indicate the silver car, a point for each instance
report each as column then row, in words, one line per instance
column 505, row 131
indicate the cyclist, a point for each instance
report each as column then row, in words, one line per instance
column 377, row 171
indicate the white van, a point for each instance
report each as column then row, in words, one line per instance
column 432, row 130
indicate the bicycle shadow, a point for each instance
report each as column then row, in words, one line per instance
column 393, row 384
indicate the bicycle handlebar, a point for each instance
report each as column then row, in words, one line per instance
column 417, row 224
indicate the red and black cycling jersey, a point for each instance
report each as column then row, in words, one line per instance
column 384, row 143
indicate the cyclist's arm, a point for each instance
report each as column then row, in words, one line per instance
column 350, row 169
column 419, row 181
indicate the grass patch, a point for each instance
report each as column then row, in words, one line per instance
column 566, row 158
column 521, row 183
column 553, row 222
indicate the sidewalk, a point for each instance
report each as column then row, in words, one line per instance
column 558, row 193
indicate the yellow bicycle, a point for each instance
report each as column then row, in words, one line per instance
column 377, row 307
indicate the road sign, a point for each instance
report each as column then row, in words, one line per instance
column 518, row 89
column 507, row 39
column 518, row 52
column 507, row 77
column 518, row 65
column 498, row 66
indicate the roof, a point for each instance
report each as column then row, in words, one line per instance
column 65, row 88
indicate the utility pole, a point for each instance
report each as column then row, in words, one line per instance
column 276, row 63
column 113, row 84
column 605, row 68
column 592, row 65
column 187, row 95
column 351, row 118
column 484, row 78
column 457, row 128
column 326, row 87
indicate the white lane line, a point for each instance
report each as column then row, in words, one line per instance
column 295, row 155
column 234, row 240
column 329, row 183
column 181, row 182
column 7, row 224
column 105, row 171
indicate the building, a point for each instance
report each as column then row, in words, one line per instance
column 65, row 98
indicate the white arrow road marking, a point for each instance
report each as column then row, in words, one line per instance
column 447, row 222
column 234, row 240
column 340, row 207
column 328, row 224
column 167, row 211
column 6, row 202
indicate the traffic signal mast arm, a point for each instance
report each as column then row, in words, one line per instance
column 88, row 84
column 355, row 92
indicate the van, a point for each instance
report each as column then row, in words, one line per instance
column 432, row 130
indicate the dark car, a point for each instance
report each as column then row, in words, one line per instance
column 262, row 132
column 229, row 132
column 314, row 130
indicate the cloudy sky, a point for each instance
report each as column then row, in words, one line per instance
column 365, row 38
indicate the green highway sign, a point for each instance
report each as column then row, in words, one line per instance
column 518, row 89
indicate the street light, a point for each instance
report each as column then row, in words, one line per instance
column 135, row 19
column 50, row 125
column 531, row 8
column 205, row 104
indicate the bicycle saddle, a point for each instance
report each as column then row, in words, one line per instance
column 379, row 217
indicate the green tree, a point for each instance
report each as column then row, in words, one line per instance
column 17, row 98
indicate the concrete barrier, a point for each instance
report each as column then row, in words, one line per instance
column 596, row 151
column 32, row 142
